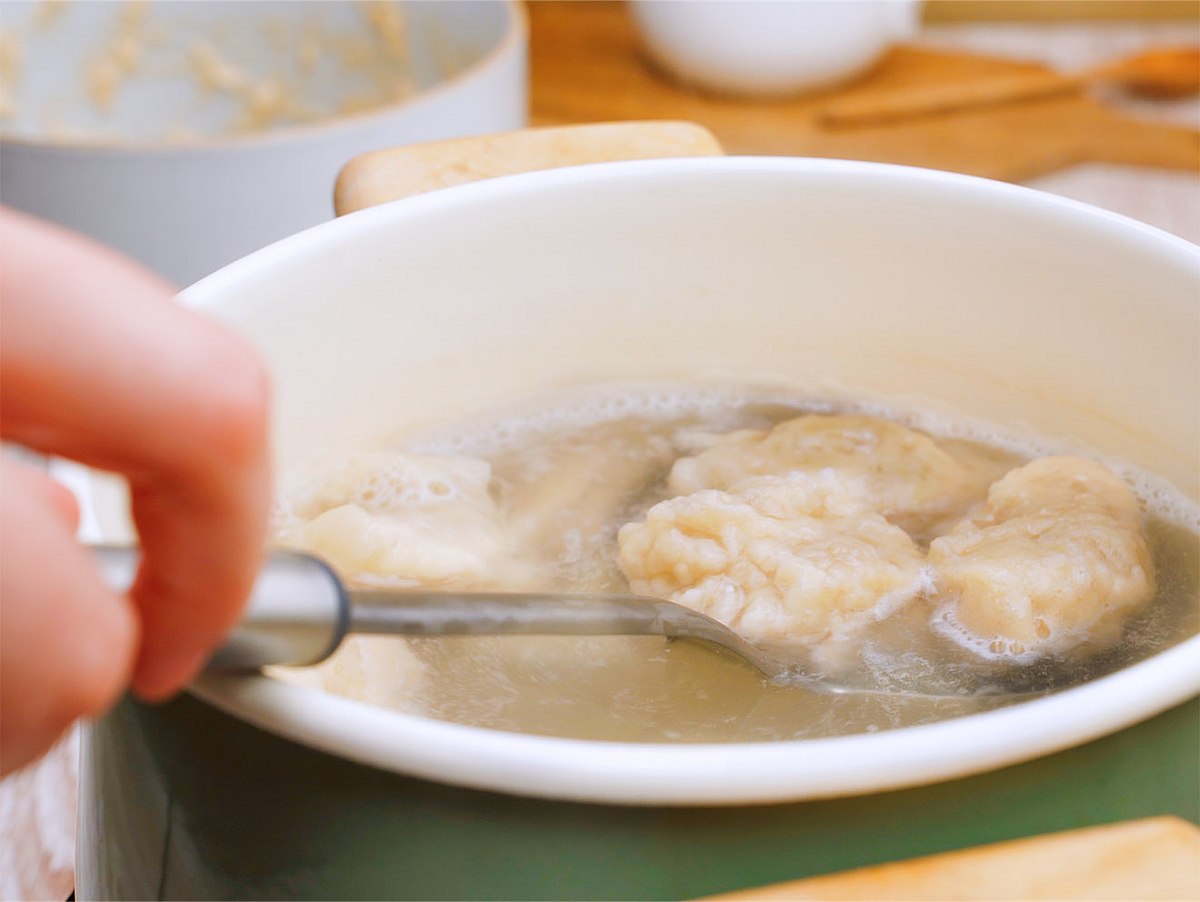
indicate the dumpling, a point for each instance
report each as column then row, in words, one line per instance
column 1056, row 558
column 789, row 559
column 378, row 670
column 900, row 473
column 396, row 518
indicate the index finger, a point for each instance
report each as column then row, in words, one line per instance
column 98, row 365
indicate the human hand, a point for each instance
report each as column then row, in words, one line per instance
column 98, row 365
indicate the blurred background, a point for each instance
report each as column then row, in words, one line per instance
column 1117, row 139
column 188, row 134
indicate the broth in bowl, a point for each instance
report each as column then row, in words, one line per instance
column 931, row 566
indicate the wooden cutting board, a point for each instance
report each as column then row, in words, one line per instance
column 586, row 66
column 1155, row 858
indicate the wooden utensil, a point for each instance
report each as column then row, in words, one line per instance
column 1166, row 72
column 1155, row 858
column 586, row 67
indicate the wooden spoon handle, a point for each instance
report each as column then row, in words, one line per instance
column 875, row 107
column 385, row 175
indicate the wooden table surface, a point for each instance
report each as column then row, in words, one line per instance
column 1168, row 200
column 587, row 66
column 37, row 806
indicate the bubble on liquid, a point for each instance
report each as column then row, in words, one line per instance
column 945, row 623
column 1158, row 496
column 724, row 405
column 491, row 435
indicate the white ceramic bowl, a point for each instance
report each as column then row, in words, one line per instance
column 1002, row 302
column 173, row 170
column 771, row 47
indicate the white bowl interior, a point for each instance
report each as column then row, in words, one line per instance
column 992, row 300
column 1005, row 304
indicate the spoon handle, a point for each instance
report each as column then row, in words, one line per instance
column 895, row 104
column 448, row 613
column 298, row 612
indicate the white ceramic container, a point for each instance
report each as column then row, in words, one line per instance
column 769, row 47
column 980, row 297
column 184, row 166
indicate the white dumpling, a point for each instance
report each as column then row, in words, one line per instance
column 793, row 559
column 1055, row 559
column 899, row 472
column 396, row 518
column 378, row 670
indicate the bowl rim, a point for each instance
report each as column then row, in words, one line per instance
column 691, row 774
column 701, row 774
column 513, row 39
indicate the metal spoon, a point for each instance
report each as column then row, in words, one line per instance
column 300, row 612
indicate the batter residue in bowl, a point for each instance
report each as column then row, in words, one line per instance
column 894, row 550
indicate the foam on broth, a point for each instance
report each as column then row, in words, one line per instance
column 568, row 472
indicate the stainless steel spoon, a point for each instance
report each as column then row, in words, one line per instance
column 300, row 612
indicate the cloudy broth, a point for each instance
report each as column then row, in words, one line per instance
column 568, row 473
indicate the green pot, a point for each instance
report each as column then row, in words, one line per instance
column 184, row 802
